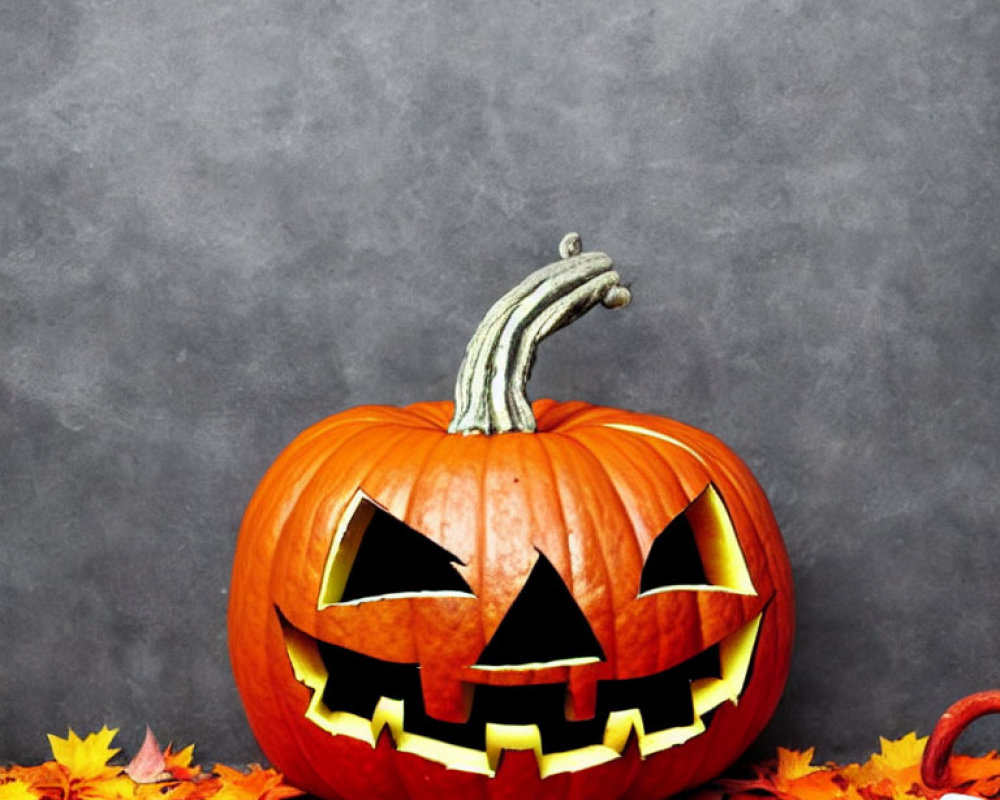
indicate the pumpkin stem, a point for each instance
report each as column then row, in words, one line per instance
column 490, row 393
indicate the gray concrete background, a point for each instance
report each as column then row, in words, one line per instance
column 220, row 222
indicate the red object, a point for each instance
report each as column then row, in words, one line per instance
column 934, row 768
column 418, row 613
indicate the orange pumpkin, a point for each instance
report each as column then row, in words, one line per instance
column 499, row 599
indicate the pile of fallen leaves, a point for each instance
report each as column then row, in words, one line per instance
column 80, row 771
column 892, row 774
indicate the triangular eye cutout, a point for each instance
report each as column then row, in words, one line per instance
column 698, row 549
column 673, row 559
column 375, row 556
column 543, row 627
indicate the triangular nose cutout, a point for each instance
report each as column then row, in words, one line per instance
column 543, row 627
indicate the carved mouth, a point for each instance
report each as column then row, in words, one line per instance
column 665, row 709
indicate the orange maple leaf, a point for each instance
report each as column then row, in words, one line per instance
column 48, row 780
column 179, row 764
column 258, row 784
column 177, row 790
column 976, row 776
column 797, row 778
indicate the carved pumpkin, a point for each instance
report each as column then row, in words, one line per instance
column 494, row 598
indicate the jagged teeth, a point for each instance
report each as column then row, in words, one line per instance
column 500, row 737
column 388, row 714
column 735, row 653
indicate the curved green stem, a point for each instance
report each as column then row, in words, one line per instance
column 490, row 393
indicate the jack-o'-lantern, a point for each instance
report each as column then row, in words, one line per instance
column 501, row 599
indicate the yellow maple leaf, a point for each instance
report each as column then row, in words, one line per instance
column 179, row 764
column 902, row 753
column 16, row 790
column 894, row 771
column 794, row 764
column 86, row 759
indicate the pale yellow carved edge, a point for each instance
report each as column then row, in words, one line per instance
column 719, row 547
column 735, row 652
column 344, row 549
column 721, row 554
column 535, row 665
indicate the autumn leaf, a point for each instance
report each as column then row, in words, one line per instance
column 893, row 772
column 81, row 771
column 148, row 764
column 48, row 780
column 793, row 776
column 16, row 790
column 85, row 763
column 86, row 759
column 179, row 790
column 179, row 764
column 258, row 784
column 976, row 776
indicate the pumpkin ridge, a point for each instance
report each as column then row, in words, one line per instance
column 602, row 432
column 294, row 450
column 418, row 472
column 670, row 467
column 283, row 556
column 481, row 532
column 600, row 467
column 546, row 457
column 610, row 654
column 751, row 604
column 560, row 417
column 277, row 670
column 375, row 459
column 415, row 618
column 436, row 413
column 740, row 486
column 279, row 475
column 743, row 486
column 324, row 457
column 374, row 414
column 614, row 481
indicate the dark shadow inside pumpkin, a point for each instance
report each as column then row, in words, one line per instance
column 355, row 683
column 543, row 625
column 390, row 558
column 673, row 558
column 664, row 700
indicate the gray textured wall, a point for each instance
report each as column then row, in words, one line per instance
column 221, row 222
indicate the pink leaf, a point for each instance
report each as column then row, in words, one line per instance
column 148, row 764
